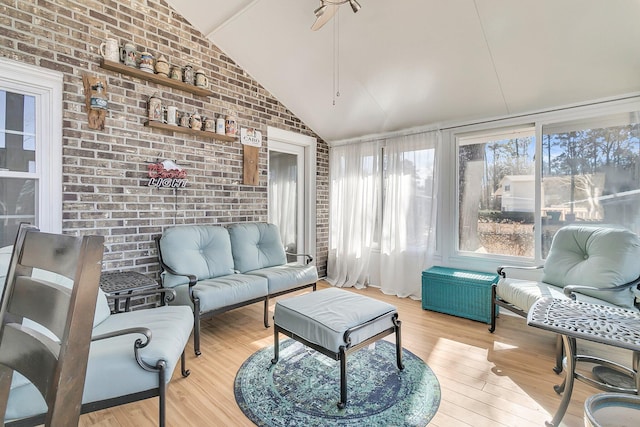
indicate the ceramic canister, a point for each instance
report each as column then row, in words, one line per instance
column 146, row 62
column 230, row 128
column 209, row 124
column 187, row 74
column 162, row 66
column 196, row 122
column 129, row 55
column 172, row 115
column 155, row 109
column 176, row 73
column 220, row 125
column 109, row 50
column 185, row 118
column 201, row 79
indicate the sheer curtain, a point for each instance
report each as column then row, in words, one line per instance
column 283, row 178
column 354, row 173
column 382, row 224
column 407, row 242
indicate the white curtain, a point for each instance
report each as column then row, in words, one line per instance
column 382, row 223
column 283, row 178
column 354, row 173
column 407, row 242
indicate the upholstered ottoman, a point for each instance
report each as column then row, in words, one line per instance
column 336, row 323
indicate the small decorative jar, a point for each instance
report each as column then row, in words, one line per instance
column 155, row 109
column 196, row 121
column 209, row 124
column 172, row 115
column 201, row 79
column 162, row 66
column 220, row 125
column 185, row 119
column 176, row 73
column 146, row 62
column 230, row 125
column 187, row 74
column 129, row 55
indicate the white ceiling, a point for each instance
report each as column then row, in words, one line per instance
column 408, row 63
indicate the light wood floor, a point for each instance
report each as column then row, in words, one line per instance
column 500, row 379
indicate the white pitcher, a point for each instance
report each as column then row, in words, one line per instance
column 109, row 50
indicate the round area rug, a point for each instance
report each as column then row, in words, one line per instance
column 303, row 388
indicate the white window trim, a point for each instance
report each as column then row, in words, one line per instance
column 447, row 214
column 276, row 135
column 46, row 86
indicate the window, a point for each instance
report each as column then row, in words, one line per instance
column 591, row 173
column 517, row 186
column 496, row 192
column 30, row 149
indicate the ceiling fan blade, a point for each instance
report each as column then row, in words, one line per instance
column 325, row 17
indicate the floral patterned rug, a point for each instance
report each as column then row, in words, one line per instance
column 303, row 388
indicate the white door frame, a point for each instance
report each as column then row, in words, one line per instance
column 279, row 140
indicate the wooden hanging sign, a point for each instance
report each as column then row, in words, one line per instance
column 251, row 140
column 95, row 92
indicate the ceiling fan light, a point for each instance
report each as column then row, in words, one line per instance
column 355, row 6
column 320, row 10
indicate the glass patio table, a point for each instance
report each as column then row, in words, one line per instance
column 602, row 324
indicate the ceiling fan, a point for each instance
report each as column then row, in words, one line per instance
column 328, row 8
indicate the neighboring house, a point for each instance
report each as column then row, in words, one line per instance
column 516, row 193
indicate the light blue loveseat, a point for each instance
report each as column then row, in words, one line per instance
column 132, row 357
column 214, row 269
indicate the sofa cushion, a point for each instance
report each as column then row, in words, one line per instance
column 322, row 317
column 202, row 250
column 112, row 370
column 523, row 293
column 597, row 256
column 256, row 245
column 222, row 292
column 284, row 277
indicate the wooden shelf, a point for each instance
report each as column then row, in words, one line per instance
column 174, row 128
column 156, row 78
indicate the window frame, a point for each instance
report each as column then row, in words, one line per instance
column 448, row 212
column 46, row 87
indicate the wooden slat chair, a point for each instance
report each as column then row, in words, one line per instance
column 53, row 359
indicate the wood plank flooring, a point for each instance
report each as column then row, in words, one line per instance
column 500, row 379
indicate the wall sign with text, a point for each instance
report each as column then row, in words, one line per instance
column 166, row 174
column 250, row 136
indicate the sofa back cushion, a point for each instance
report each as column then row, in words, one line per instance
column 256, row 245
column 201, row 250
column 597, row 256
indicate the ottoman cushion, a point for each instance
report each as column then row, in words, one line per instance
column 322, row 317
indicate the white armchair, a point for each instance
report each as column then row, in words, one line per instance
column 599, row 264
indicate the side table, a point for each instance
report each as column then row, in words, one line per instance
column 125, row 283
column 602, row 324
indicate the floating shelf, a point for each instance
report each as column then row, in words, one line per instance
column 202, row 133
column 156, row 78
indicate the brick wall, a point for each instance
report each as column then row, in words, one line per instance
column 105, row 172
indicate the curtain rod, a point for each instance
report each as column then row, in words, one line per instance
column 450, row 126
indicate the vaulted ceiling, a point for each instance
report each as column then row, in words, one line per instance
column 407, row 63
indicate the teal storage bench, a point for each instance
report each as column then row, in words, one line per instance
column 458, row 292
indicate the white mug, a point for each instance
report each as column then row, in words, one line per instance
column 172, row 115
column 109, row 50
